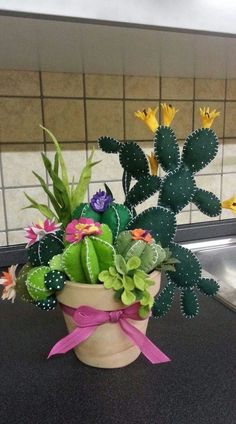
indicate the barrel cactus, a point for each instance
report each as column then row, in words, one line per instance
column 90, row 250
column 176, row 190
column 140, row 243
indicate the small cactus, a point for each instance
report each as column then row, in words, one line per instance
column 42, row 251
column 147, row 251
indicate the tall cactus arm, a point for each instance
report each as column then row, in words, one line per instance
column 133, row 160
column 144, row 188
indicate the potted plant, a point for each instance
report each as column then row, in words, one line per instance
column 101, row 261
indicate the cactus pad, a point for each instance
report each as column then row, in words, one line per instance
column 35, row 283
column 177, row 189
column 109, row 144
column 208, row 286
column 166, row 148
column 55, row 280
column 159, row 221
column 126, row 181
column 163, row 302
column 47, row 304
column 144, row 188
column 207, row 202
column 188, row 303
column 133, row 160
column 199, row 149
column 188, row 272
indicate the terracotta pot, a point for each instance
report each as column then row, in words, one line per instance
column 108, row 346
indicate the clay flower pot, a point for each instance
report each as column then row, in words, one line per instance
column 108, row 346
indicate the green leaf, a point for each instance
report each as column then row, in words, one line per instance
column 60, row 158
column 127, row 282
column 128, row 297
column 48, row 192
column 133, row 263
column 104, row 276
column 147, row 299
column 144, row 311
column 117, row 283
column 82, row 186
column 139, row 282
column 43, row 209
column 112, row 271
column 120, row 265
column 108, row 191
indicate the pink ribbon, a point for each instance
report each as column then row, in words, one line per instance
column 88, row 319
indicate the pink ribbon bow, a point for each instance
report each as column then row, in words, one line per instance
column 87, row 320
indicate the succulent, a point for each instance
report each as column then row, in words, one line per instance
column 42, row 251
column 116, row 216
column 83, row 260
column 176, row 190
column 130, row 283
column 150, row 254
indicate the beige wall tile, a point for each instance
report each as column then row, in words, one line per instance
column 59, row 84
column 65, row 118
column 109, row 168
column 114, row 186
column 2, row 214
column 182, row 123
column 18, row 161
column 231, row 89
column 210, row 89
column 19, row 83
column 108, row 86
column 228, row 190
column 3, row 239
column 230, row 119
column 16, row 237
column 74, row 156
column 104, row 117
column 198, row 216
column 177, row 88
column 134, row 127
column 183, row 218
column 229, row 163
column 142, row 87
column 15, row 201
column 219, row 121
column 215, row 166
column 209, row 182
column 20, row 119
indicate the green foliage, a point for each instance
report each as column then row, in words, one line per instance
column 83, row 261
column 63, row 198
column 130, row 282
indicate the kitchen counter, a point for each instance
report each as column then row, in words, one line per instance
column 197, row 387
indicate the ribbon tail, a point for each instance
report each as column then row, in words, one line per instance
column 152, row 353
column 71, row 340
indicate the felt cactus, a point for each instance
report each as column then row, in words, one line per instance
column 176, row 190
column 85, row 258
column 42, row 251
column 137, row 243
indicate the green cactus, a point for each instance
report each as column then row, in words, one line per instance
column 176, row 189
column 116, row 216
column 150, row 254
column 84, row 260
column 41, row 252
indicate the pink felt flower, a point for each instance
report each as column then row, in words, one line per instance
column 37, row 231
column 76, row 230
column 8, row 281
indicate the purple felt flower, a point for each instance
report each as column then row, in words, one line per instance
column 100, row 201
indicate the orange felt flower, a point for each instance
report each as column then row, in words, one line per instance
column 140, row 234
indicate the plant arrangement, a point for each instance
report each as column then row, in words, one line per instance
column 105, row 243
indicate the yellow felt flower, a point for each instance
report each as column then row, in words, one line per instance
column 230, row 204
column 168, row 113
column 149, row 117
column 153, row 163
column 208, row 117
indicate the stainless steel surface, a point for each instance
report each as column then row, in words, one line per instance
column 218, row 259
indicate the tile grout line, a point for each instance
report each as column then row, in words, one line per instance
column 223, row 147
column 193, row 123
column 4, row 199
column 85, row 124
column 43, row 122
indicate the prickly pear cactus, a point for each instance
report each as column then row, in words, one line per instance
column 176, row 190
column 84, row 260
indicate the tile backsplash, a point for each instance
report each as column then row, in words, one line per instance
column 78, row 109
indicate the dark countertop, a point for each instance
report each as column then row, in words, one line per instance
column 197, row 387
